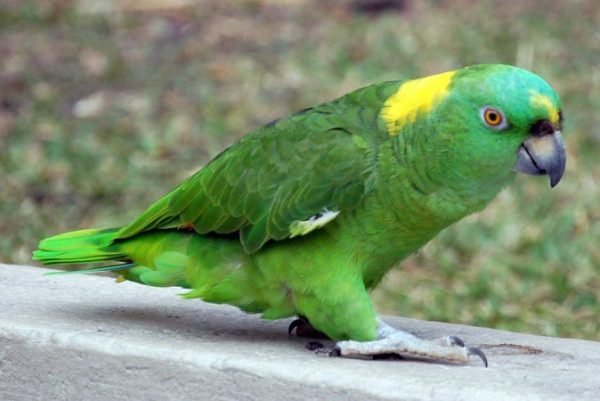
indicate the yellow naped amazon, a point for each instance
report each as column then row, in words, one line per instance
column 304, row 215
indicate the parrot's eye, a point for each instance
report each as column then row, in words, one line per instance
column 493, row 118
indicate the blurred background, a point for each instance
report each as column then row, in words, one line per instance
column 106, row 105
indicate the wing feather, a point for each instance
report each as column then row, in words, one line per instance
column 270, row 181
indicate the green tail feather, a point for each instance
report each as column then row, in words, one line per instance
column 84, row 246
column 161, row 256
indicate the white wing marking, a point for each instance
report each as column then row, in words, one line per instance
column 303, row 227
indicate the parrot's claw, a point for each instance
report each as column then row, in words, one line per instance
column 335, row 351
column 479, row 353
column 304, row 329
column 294, row 325
column 315, row 346
column 454, row 340
column 397, row 343
column 457, row 341
column 320, row 349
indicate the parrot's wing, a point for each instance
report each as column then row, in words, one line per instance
column 285, row 179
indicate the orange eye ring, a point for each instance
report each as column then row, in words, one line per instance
column 493, row 118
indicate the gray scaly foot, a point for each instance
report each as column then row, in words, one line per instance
column 392, row 341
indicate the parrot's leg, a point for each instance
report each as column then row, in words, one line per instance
column 305, row 329
column 338, row 306
column 394, row 341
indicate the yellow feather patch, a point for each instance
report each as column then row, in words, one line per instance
column 413, row 97
column 537, row 99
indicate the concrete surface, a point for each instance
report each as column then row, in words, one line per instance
column 87, row 338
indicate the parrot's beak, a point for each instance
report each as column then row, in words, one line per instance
column 543, row 153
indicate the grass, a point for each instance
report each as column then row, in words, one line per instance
column 104, row 109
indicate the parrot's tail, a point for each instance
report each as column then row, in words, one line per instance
column 83, row 246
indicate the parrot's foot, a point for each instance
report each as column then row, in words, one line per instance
column 304, row 329
column 314, row 346
column 392, row 341
column 319, row 348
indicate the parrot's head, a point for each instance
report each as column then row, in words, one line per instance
column 499, row 119
column 481, row 124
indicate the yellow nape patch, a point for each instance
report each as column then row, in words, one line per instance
column 537, row 99
column 414, row 97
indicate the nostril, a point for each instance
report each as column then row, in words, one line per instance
column 541, row 128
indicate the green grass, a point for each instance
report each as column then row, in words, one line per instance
column 102, row 113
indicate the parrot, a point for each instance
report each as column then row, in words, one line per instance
column 303, row 216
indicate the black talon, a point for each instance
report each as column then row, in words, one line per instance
column 294, row 325
column 479, row 353
column 304, row 329
column 335, row 351
column 314, row 346
column 320, row 349
column 454, row 340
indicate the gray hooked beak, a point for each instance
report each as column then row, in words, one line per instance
column 543, row 153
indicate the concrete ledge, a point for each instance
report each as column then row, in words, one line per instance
column 87, row 338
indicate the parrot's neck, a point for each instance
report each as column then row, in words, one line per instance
column 411, row 203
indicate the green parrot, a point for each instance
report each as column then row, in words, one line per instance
column 304, row 215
